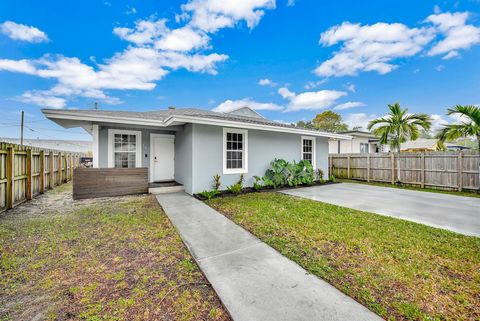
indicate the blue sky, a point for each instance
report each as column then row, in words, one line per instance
column 311, row 55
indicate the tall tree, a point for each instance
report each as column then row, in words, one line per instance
column 397, row 127
column 329, row 121
column 469, row 127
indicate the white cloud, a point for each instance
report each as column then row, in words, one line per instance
column 267, row 82
column 229, row 105
column 212, row 15
column 349, row 105
column 315, row 84
column 130, row 10
column 351, row 87
column 183, row 39
column 376, row 47
column 155, row 50
column 310, row 100
column 436, row 9
column 39, row 98
column 440, row 68
column 370, row 47
column 144, row 32
column 21, row 32
column 359, row 120
column 290, row 3
column 22, row 66
column 458, row 34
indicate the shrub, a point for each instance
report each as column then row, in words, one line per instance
column 320, row 175
column 237, row 187
column 276, row 175
column 332, row 179
column 216, row 182
column 209, row 194
column 257, row 185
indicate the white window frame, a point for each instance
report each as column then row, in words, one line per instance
column 243, row 170
column 111, row 149
column 314, row 149
column 368, row 148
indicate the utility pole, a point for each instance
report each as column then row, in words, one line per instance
column 21, row 129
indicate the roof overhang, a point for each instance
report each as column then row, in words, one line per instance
column 68, row 119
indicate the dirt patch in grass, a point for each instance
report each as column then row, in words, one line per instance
column 105, row 259
column 401, row 270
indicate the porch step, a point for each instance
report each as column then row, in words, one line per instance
column 166, row 189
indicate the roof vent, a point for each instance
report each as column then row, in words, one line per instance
column 171, row 107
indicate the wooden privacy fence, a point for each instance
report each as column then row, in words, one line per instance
column 28, row 171
column 447, row 170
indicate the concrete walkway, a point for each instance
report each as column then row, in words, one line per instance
column 254, row 281
column 456, row 213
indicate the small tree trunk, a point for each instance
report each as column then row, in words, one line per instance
column 398, row 166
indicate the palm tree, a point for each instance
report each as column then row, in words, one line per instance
column 469, row 127
column 397, row 127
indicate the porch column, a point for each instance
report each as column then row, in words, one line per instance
column 96, row 151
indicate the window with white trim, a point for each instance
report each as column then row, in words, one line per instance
column 235, row 150
column 124, row 148
column 308, row 149
column 364, row 148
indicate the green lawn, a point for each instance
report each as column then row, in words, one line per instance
column 108, row 259
column 467, row 193
column 398, row 269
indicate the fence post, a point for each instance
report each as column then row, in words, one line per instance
column 330, row 167
column 59, row 169
column 348, row 166
column 41, row 178
column 28, row 186
column 51, row 173
column 422, row 173
column 460, row 171
column 10, row 176
column 392, row 157
column 368, row 167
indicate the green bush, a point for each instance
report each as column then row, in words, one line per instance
column 216, row 182
column 283, row 173
column 209, row 194
column 237, row 187
column 257, row 184
column 332, row 179
column 320, row 175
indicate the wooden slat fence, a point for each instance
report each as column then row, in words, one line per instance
column 28, row 171
column 445, row 170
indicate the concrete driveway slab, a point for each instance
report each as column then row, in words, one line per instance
column 254, row 281
column 455, row 213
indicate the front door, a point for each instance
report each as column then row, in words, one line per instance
column 163, row 156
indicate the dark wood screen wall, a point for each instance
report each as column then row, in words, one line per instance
column 106, row 182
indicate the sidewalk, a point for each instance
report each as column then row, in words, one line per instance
column 254, row 281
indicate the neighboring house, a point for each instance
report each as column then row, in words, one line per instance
column 420, row 145
column 77, row 146
column 361, row 142
column 190, row 146
column 428, row 144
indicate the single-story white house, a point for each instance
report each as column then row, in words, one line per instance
column 190, row 146
column 361, row 142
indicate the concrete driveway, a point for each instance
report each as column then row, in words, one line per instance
column 456, row 213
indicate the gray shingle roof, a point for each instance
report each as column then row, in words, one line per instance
column 164, row 114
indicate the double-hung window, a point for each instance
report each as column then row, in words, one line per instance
column 124, row 148
column 364, row 148
column 308, row 149
column 235, row 149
